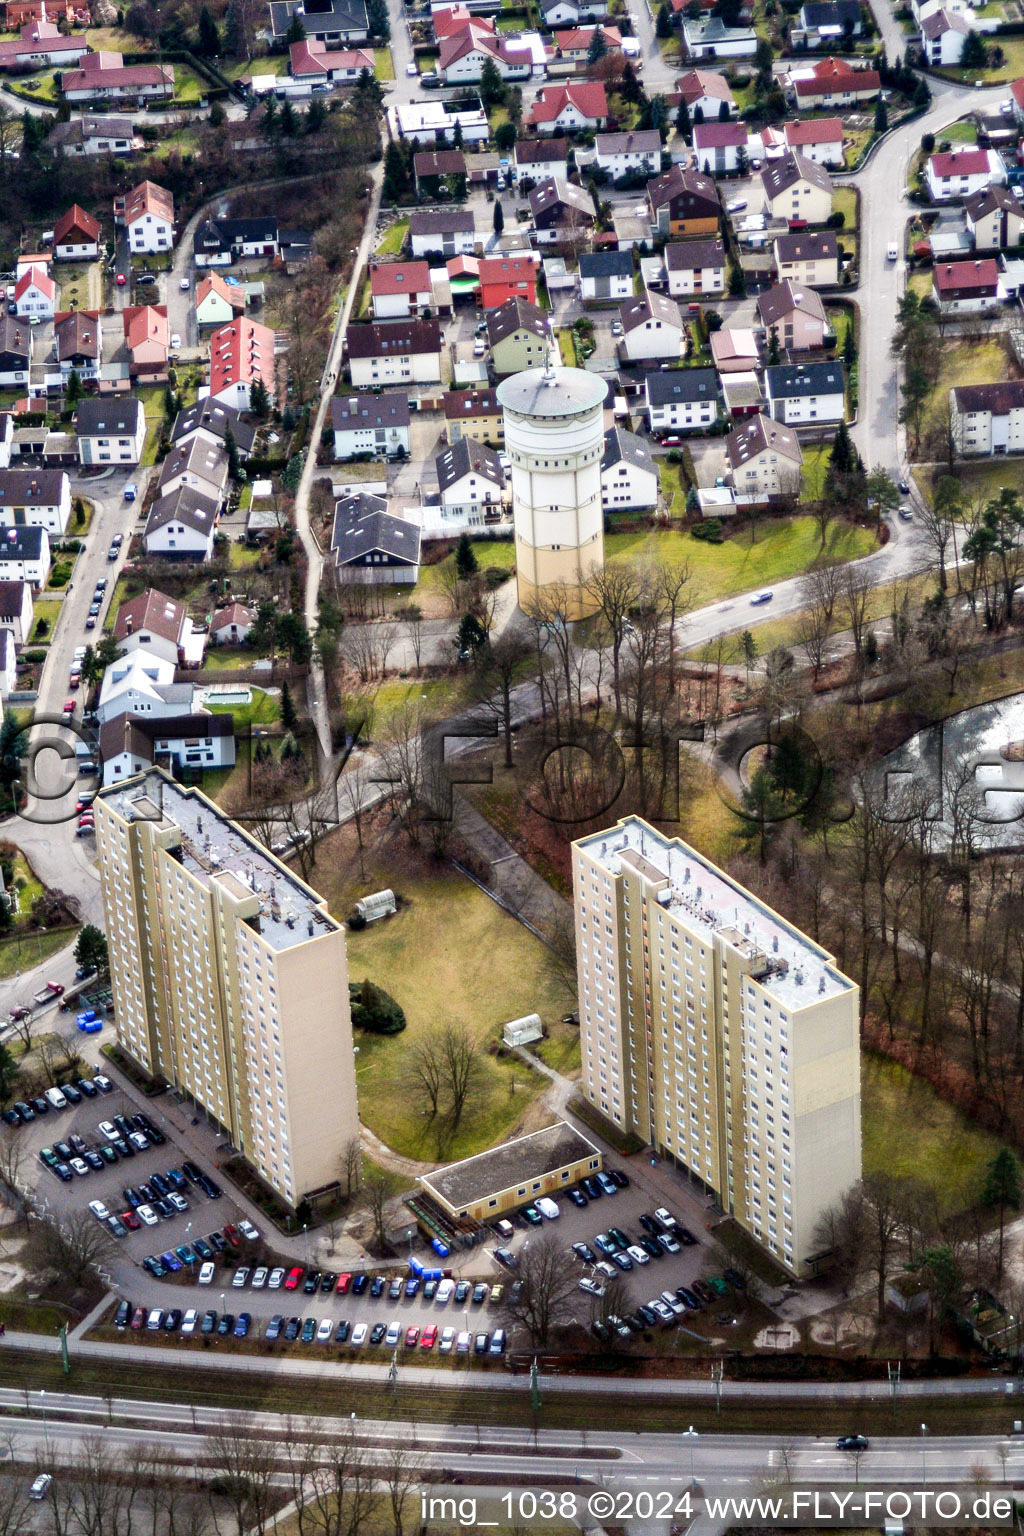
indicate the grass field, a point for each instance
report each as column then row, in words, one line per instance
column 263, row 710
column 392, row 242
column 265, row 64
column 24, row 951
column 383, row 64
column 499, row 553
column 981, row 362
column 958, row 133
column 908, row 1130
column 782, row 548
column 846, row 201
column 452, row 955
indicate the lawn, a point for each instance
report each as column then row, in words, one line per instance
column 500, row 553
column 908, row 1130
column 242, row 557
column 962, row 132
column 964, row 362
column 32, row 948
column 988, row 477
column 265, row 64
column 451, row 955
column 391, row 243
column 437, row 696
column 383, row 64
column 846, row 201
column 189, row 88
column 784, row 631
column 783, row 547
column 264, row 709
column 673, row 487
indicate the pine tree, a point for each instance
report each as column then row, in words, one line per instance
column 598, row 47
column 499, row 218
column 316, row 115
column 296, row 32
column 629, row 85
column 1002, row 1189
column 842, row 459
column 774, row 351
column 259, row 400
column 492, row 86
column 881, row 117
column 663, row 24
column 209, row 37
column 289, row 121
column 849, row 345
column 683, row 125
column 457, row 138
column 12, row 744
column 73, row 388
column 231, row 450
column 377, row 19
column 289, row 714
column 396, row 175
column 465, row 558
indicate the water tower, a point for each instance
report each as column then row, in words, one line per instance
column 554, row 438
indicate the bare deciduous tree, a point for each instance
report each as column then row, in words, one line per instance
column 73, row 1243
column 547, row 1286
column 351, row 1164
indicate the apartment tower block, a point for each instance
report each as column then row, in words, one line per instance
column 229, row 978
column 717, row 1032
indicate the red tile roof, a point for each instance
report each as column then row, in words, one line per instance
column 240, row 352
column 966, row 274
column 965, row 162
column 820, row 130
column 76, row 221
column 387, row 277
column 588, row 98
column 41, row 279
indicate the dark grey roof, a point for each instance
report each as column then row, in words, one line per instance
column 606, row 264
column 184, row 505
column 807, row 245
column 215, row 418
column 441, row 162
column 22, row 542
column 831, row 13
column 136, row 733
column 541, row 151
column 89, row 127
column 466, row 457
column 31, row 487
column 352, row 412
column 516, row 1164
column 193, row 455
column 12, row 598
column 449, row 222
column 514, row 315
column 625, row 447
column 363, row 526
column 554, row 192
column 108, row 417
column 317, row 18
column 221, row 234
column 784, row 298
column 393, row 338
column 781, row 174
column 787, row 381
column 681, row 384
column 651, row 305
column 14, row 336
column 693, row 255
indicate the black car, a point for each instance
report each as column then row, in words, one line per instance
column 86, row 1086
column 342, row 1331
column 852, row 1443
column 584, row 1252
column 377, row 1285
column 618, row 1177
column 93, row 1159
column 154, row 1266
column 684, row 1235
column 172, row 1320
column 735, row 1278
column 359, row 1284
column 311, row 1282
column 226, row 1324
column 577, row 1197
column 634, row 1322
column 691, row 1298
column 124, row 1126
column 157, row 1137
column 10, row 1117
column 123, row 1315
column 649, row 1225
column 191, row 1170
column 41, row 1106
column 159, row 1183
column 25, row 1111
column 601, row 1331
column 703, row 1290
column 71, row 1093
column 505, row 1257
column 133, row 1197
column 123, row 1148
column 62, row 1172
column 292, row 1327
column 377, row 1332
column 211, row 1189
column 328, row 1281
column 652, row 1248
column 164, row 1211
column 591, row 1188
column 649, row 1315
column 63, row 1151
column 203, row 1248
column 396, row 1288
column 217, row 1241
column 107, row 1152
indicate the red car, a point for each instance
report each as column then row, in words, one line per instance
column 233, row 1235
column 429, row 1337
column 293, row 1279
column 120, row 279
column 344, row 1281
column 131, row 1221
column 69, row 706
column 412, row 1337
column 138, row 1317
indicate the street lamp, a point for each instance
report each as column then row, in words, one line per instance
column 691, row 1435
column 924, row 1461
column 46, row 1432
column 305, row 1239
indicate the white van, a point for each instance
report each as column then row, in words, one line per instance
column 55, row 1098
column 443, row 1294
column 547, row 1208
column 892, row 252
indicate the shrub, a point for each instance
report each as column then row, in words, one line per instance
column 356, row 923
column 374, row 1010
column 494, row 576
column 709, row 532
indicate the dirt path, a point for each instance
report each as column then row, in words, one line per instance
column 394, row 1162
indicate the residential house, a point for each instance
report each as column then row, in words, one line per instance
column 684, row 202
column 231, row 624
column 720, row 149
column 25, row 555
column 818, row 138
column 705, row 92
column 943, row 35
column 806, row 394
column 629, row 154
column 833, row 83
column 562, row 212
column 765, row 460
column 797, row 189
column 681, row 400
column 958, row 173
column 15, row 350
column 988, row 419
column 240, row 353
column 78, row 343
column 197, row 464
column 216, row 301
column 507, row 277
column 696, row 268
column 573, row 45
column 327, row 21
column 965, row 287
column 570, row 108
column 629, row 475
column 569, row 13
column 16, row 610
column 147, row 337
column 432, row 167
column 518, row 337
column 76, row 236
column 449, row 233
column 995, row 218
column 219, row 242
column 605, row 276
column 214, row 420
column 41, row 45
column 372, row 546
column 808, row 258
column 313, row 62
column 471, row 481
column 394, row 352
column 154, row 624
column 537, row 158
column 653, row 329
column 142, row 685
column 147, row 214
column 464, row 53
column 474, row 414
column 130, row 745
column 795, row 314
column 708, row 37
column 17, row 12
column 741, row 395
column 399, row 289
column 35, row 294
column 106, row 77
column 111, row 429
column 86, row 136
column 438, row 122
column 370, row 424
column 181, row 525
column 827, row 24
column 36, row 498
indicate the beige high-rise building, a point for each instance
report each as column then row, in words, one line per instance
column 229, row 978
column 717, row 1032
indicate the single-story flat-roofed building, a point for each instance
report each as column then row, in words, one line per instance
column 483, row 1187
